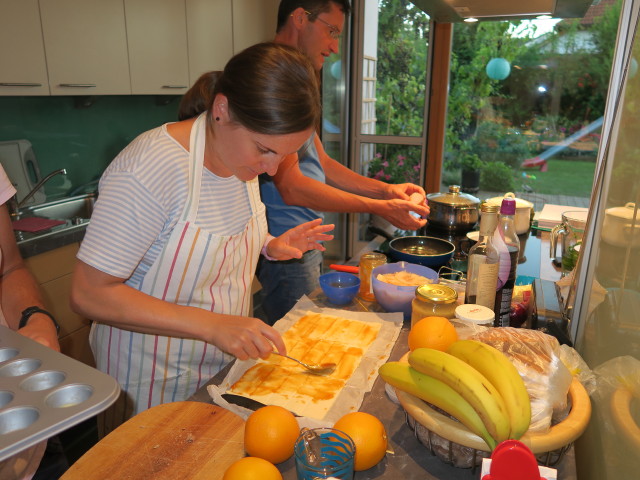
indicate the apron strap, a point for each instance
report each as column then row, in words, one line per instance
column 197, row 140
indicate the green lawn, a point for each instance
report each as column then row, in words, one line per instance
column 564, row 177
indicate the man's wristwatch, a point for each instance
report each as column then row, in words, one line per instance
column 26, row 314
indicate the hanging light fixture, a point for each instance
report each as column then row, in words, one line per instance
column 498, row 68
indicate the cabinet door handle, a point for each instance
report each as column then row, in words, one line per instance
column 77, row 85
column 19, row 84
column 174, row 86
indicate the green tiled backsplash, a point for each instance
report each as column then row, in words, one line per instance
column 65, row 132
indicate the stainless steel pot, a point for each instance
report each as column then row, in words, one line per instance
column 454, row 211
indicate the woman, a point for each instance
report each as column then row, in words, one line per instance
column 168, row 259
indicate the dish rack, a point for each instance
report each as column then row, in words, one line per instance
column 456, row 445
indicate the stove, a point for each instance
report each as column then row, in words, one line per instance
column 459, row 240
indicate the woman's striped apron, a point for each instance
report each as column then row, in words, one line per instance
column 195, row 268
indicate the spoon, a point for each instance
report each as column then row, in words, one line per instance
column 318, row 369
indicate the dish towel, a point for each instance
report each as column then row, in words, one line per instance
column 35, row 224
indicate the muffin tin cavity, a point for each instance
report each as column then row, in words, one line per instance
column 44, row 392
column 69, row 396
column 20, row 367
column 18, row 418
column 7, row 354
column 42, row 381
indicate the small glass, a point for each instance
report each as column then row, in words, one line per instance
column 324, row 453
column 369, row 261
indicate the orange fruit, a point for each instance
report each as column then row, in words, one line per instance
column 368, row 434
column 432, row 332
column 252, row 468
column 270, row 433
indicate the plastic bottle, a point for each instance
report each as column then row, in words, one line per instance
column 508, row 260
column 484, row 262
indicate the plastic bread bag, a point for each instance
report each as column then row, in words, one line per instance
column 537, row 357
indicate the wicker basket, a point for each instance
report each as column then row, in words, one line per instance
column 455, row 444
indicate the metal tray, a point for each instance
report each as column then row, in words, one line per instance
column 43, row 392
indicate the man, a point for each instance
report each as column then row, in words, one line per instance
column 21, row 309
column 310, row 181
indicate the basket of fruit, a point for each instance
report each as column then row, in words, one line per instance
column 464, row 398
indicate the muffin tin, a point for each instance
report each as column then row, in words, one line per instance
column 43, row 392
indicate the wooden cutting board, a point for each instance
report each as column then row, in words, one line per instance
column 180, row 440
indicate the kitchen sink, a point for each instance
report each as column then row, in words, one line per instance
column 75, row 212
column 72, row 208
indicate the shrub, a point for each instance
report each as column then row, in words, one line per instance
column 497, row 177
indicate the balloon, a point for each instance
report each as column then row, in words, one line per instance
column 336, row 69
column 498, row 69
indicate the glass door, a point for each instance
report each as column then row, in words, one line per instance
column 389, row 102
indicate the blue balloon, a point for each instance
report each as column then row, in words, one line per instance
column 498, row 69
column 336, row 69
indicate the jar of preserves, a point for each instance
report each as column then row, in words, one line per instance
column 369, row 261
column 433, row 300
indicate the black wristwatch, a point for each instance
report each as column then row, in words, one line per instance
column 26, row 314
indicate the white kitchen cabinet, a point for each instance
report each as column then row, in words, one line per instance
column 157, row 38
column 23, row 69
column 210, row 35
column 86, row 47
column 254, row 21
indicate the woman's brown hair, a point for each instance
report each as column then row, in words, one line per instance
column 271, row 89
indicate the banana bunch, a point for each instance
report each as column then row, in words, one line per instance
column 473, row 382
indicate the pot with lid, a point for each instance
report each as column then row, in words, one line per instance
column 524, row 208
column 621, row 226
column 454, row 211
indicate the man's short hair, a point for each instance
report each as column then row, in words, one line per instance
column 314, row 7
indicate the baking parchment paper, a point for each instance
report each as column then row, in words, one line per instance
column 351, row 396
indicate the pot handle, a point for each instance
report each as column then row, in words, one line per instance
column 380, row 231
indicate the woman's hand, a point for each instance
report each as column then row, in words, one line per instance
column 246, row 337
column 294, row 242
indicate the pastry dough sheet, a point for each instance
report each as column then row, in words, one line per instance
column 357, row 342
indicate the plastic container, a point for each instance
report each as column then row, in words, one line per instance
column 433, row 300
column 475, row 314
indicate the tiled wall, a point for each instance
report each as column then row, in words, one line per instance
column 66, row 133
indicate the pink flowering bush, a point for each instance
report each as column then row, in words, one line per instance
column 395, row 169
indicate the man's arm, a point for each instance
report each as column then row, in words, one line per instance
column 347, row 191
column 19, row 290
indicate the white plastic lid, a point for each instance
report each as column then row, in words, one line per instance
column 478, row 314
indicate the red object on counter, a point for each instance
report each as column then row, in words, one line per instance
column 35, row 224
column 345, row 268
column 512, row 459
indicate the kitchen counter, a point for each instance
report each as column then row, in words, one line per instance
column 410, row 459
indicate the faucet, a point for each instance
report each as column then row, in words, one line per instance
column 15, row 206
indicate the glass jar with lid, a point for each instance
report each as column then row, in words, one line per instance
column 369, row 261
column 433, row 300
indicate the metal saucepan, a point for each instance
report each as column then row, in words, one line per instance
column 430, row 252
column 453, row 211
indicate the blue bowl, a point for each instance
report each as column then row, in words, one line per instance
column 340, row 287
column 396, row 298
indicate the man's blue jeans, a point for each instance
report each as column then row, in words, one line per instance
column 284, row 283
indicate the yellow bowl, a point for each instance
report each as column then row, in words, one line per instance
column 558, row 437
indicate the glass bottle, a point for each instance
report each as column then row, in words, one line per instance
column 369, row 261
column 484, row 262
column 508, row 260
